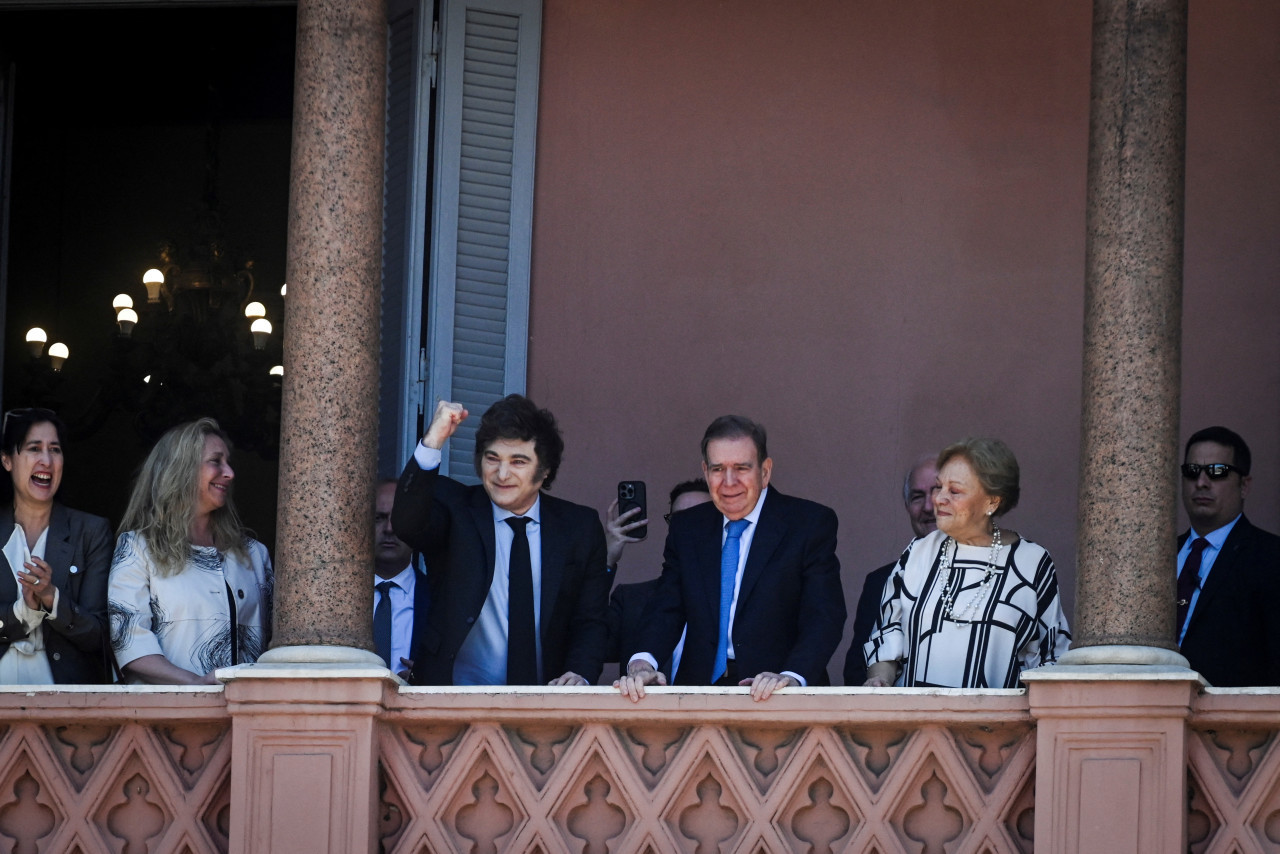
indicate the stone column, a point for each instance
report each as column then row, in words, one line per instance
column 303, row 719
column 329, row 425
column 1132, row 336
column 1111, row 715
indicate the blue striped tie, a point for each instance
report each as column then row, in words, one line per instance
column 728, row 574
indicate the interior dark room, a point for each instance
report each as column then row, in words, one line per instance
column 139, row 139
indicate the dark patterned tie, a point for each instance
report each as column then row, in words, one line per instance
column 382, row 620
column 522, row 638
column 1188, row 580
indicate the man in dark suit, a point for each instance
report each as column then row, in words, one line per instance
column 401, row 594
column 754, row 574
column 518, row 579
column 917, row 497
column 1228, row 625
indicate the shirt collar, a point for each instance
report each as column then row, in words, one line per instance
column 1216, row 537
column 404, row 579
column 535, row 512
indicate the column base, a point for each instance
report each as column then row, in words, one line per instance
column 1123, row 654
column 1111, row 747
column 321, row 654
column 304, row 750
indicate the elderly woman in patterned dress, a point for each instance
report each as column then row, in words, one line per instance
column 190, row 590
column 969, row 605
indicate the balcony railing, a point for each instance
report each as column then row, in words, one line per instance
column 126, row 769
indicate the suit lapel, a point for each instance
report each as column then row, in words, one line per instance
column 764, row 542
column 482, row 516
column 421, row 606
column 8, row 584
column 555, row 549
column 1222, row 571
column 706, row 561
column 58, row 549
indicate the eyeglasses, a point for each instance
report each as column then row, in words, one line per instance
column 1216, row 471
column 36, row 413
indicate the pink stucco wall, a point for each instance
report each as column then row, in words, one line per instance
column 863, row 225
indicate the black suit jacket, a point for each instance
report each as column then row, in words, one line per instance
column 790, row 613
column 627, row 604
column 864, row 620
column 421, row 612
column 1233, row 638
column 78, row 550
column 452, row 526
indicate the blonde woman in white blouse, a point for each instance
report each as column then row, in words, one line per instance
column 190, row 590
column 970, row 605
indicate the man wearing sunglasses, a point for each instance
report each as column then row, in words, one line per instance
column 1228, row 617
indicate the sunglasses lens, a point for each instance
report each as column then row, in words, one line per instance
column 1215, row 471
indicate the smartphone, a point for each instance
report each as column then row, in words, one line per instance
column 631, row 494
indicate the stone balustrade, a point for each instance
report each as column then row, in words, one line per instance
column 125, row 769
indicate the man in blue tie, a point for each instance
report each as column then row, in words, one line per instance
column 400, row 592
column 1227, row 622
column 753, row 574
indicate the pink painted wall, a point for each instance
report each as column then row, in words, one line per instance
column 863, row 225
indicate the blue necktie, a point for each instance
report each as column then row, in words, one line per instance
column 728, row 574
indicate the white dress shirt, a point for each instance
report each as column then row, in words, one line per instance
column 402, row 593
column 25, row 663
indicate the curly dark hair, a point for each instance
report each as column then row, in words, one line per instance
column 518, row 418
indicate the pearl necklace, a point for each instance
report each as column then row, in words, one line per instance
column 949, row 547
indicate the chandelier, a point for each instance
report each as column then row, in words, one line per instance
column 192, row 338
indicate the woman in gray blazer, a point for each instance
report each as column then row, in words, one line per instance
column 54, row 563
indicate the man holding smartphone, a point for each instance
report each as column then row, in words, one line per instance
column 754, row 574
column 519, row 585
column 627, row 603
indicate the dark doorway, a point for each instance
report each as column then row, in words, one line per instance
column 111, row 113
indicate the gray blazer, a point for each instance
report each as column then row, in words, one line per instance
column 78, row 549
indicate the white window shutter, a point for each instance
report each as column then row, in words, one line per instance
column 478, row 315
column 404, row 233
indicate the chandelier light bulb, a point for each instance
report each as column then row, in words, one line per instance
column 58, row 354
column 277, row 371
column 261, row 330
column 147, row 378
column 121, row 301
column 35, row 341
column 125, row 319
column 255, row 309
column 153, row 279
column 282, row 288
